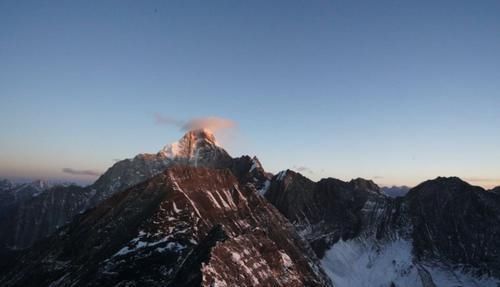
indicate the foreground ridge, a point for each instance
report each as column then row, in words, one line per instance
column 185, row 227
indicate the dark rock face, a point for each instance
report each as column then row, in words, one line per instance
column 7, row 199
column 185, row 227
column 329, row 206
column 11, row 193
column 292, row 194
column 5, row 185
column 496, row 190
column 191, row 273
column 458, row 221
column 250, row 171
column 40, row 216
column 445, row 223
column 35, row 217
column 24, row 203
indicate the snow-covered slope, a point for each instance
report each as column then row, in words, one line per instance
column 366, row 262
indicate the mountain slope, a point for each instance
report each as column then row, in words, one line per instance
column 185, row 227
column 34, row 218
column 444, row 232
column 14, row 202
column 58, row 206
column 458, row 221
column 196, row 148
column 325, row 211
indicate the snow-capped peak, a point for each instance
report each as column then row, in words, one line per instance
column 191, row 144
column 255, row 164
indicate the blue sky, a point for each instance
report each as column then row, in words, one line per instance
column 396, row 91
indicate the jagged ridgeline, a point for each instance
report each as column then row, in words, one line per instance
column 192, row 215
column 444, row 232
column 187, row 226
column 35, row 217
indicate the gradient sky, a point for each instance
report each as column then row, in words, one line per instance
column 396, row 91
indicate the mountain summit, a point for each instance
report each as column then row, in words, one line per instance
column 198, row 136
column 194, row 147
column 197, row 148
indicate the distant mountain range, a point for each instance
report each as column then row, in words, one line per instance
column 191, row 215
column 395, row 191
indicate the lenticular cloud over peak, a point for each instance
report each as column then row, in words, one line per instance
column 211, row 123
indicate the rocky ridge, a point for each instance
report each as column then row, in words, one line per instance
column 186, row 226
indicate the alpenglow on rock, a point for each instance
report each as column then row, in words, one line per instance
column 195, row 148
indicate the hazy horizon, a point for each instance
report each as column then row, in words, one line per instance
column 390, row 91
column 82, row 177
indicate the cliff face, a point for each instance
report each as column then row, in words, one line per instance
column 455, row 220
column 443, row 232
column 326, row 211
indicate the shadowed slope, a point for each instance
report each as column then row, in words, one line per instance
column 185, row 225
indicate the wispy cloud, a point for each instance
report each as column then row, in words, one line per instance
column 482, row 179
column 81, row 172
column 303, row 169
column 211, row 123
column 169, row 121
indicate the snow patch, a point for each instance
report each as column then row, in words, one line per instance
column 360, row 263
column 286, row 260
column 178, row 188
column 235, row 256
column 213, row 200
column 141, row 241
column 265, row 188
column 281, row 175
column 174, row 207
column 254, row 166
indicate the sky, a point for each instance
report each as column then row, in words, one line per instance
column 395, row 91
